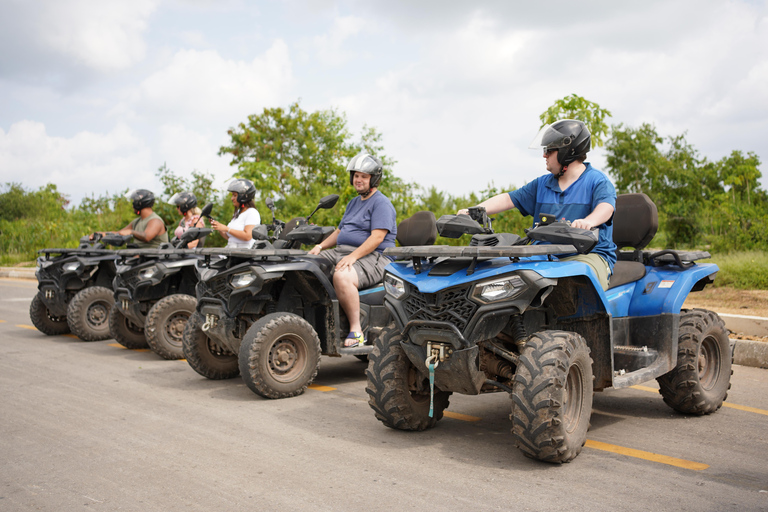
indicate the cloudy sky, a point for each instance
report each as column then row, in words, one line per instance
column 95, row 95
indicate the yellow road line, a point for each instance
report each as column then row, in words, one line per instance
column 71, row 336
column 725, row 404
column 459, row 416
column 745, row 408
column 32, row 327
column 318, row 387
column 640, row 454
column 2, row 321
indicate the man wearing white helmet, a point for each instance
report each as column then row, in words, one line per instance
column 369, row 226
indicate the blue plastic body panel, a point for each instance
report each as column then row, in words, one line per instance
column 662, row 290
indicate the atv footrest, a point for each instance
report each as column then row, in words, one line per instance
column 628, row 358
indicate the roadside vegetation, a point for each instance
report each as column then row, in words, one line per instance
column 297, row 157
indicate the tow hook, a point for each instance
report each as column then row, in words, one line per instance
column 210, row 321
column 439, row 351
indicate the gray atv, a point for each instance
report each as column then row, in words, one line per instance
column 75, row 288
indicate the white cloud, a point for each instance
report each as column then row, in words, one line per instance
column 80, row 165
column 202, row 85
column 333, row 48
column 104, row 35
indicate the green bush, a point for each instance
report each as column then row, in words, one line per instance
column 742, row 270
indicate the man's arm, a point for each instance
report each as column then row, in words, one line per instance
column 493, row 205
column 600, row 215
column 367, row 247
column 326, row 244
column 154, row 228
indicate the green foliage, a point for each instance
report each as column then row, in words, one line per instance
column 18, row 203
column 701, row 203
column 581, row 109
column 746, row 270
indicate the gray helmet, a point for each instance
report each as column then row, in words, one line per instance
column 245, row 189
column 184, row 200
column 141, row 198
column 368, row 164
column 571, row 139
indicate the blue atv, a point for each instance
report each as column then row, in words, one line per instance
column 504, row 315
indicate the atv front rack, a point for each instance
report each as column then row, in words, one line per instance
column 514, row 253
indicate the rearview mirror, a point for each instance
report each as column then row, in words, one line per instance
column 207, row 211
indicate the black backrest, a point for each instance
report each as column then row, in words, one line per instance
column 635, row 221
column 418, row 229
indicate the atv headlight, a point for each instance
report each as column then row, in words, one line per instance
column 242, row 280
column 42, row 263
column 500, row 289
column 71, row 266
column 148, row 273
column 394, row 286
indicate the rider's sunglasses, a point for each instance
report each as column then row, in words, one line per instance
column 547, row 152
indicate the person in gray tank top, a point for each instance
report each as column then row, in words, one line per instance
column 148, row 230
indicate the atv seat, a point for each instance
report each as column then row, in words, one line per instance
column 635, row 222
column 418, row 229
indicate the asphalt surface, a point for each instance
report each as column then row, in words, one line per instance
column 93, row 426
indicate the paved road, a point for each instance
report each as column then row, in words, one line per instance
column 92, row 426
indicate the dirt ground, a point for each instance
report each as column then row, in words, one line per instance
column 731, row 301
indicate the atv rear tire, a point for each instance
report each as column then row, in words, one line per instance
column 279, row 355
column 43, row 319
column 125, row 332
column 165, row 325
column 204, row 355
column 700, row 381
column 88, row 313
column 398, row 392
column 552, row 396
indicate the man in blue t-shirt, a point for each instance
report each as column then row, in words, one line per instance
column 573, row 190
column 369, row 226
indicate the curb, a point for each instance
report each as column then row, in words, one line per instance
column 18, row 272
column 750, row 353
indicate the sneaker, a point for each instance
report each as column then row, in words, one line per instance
column 358, row 338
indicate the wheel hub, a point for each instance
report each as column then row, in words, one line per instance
column 174, row 328
column 283, row 356
column 97, row 314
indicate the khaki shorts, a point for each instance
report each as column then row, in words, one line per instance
column 369, row 268
column 598, row 264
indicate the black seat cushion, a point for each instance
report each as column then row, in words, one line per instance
column 626, row 272
column 418, row 229
column 635, row 221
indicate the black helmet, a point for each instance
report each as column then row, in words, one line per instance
column 245, row 189
column 141, row 198
column 368, row 164
column 569, row 137
column 184, row 200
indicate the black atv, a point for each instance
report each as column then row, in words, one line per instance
column 505, row 316
column 75, row 288
column 269, row 313
column 155, row 294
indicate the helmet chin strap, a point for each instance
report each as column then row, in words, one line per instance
column 365, row 194
column 562, row 171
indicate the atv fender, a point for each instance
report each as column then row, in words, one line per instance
column 664, row 289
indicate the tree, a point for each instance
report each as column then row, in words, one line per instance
column 201, row 184
column 300, row 156
column 581, row 109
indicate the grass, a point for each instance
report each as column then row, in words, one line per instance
column 742, row 270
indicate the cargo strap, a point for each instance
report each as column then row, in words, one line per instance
column 432, row 362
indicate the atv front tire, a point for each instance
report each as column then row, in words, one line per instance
column 398, row 392
column 43, row 319
column 204, row 355
column 165, row 325
column 88, row 313
column 279, row 355
column 125, row 332
column 700, row 381
column 552, row 396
